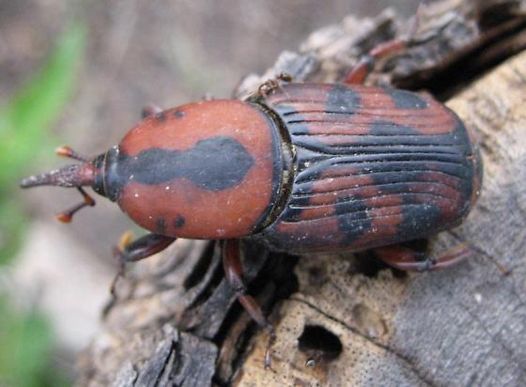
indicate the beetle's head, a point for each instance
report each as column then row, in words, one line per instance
column 71, row 176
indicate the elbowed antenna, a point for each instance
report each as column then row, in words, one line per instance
column 70, row 176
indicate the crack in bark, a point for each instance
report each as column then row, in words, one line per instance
column 405, row 360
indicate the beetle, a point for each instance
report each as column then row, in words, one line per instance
column 300, row 167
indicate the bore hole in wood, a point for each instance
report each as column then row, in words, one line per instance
column 317, row 342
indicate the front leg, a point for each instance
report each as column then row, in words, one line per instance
column 141, row 248
column 406, row 258
column 234, row 275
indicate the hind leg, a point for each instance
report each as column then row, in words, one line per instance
column 406, row 258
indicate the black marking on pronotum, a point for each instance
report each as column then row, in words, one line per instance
column 342, row 99
column 406, row 99
column 179, row 114
column 214, row 164
column 160, row 225
column 179, row 221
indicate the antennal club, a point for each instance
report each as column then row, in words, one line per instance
column 67, row 215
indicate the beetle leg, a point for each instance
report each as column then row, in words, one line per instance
column 67, row 216
column 234, row 275
column 365, row 65
column 136, row 250
column 150, row 110
column 405, row 258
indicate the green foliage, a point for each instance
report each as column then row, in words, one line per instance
column 25, row 349
column 25, row 122
column 25, row 338
column 24, row 128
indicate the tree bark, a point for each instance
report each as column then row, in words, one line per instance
column 347, row 319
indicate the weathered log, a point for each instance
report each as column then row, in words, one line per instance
column 347, row 319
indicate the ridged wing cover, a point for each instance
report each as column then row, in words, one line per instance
column 373, row 166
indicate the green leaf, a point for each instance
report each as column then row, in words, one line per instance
column 24, row 129
column 25, row 349
column 26, row 120
column 12, row 226
column 26, row 341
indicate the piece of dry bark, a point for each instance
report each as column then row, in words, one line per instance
column 346, row 319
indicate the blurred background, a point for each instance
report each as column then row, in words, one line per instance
column 79, row 73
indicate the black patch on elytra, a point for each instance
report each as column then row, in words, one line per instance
column 418, row 221
column 460, row 135
column 464, row 143
column 179, row 114
column 405, row 99
column 214, row 164
column 160, row 226
column 352, row 219
column 387, row 128
column 179, row 221
column 343, row 99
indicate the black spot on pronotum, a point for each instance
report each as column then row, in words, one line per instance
column 473, row 164
column 179, row 114
column 160, row 225
column 318, row 342
column 179, row 221
column 214, row 164
column 406, row 99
